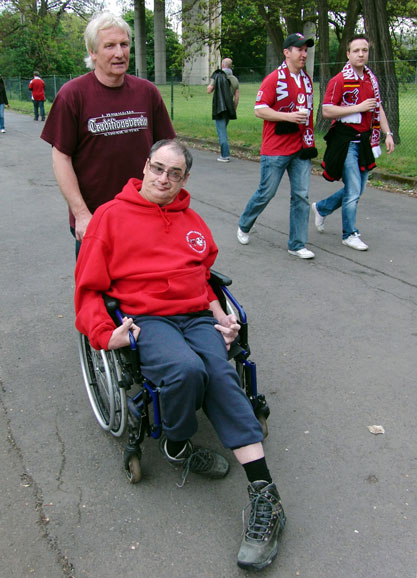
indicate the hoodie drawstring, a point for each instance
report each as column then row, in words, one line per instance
column 164, row 214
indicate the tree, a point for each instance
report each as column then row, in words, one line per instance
column 173, row 47
column 348, row 30
column 54, row 46
column 321, row 123
column 159, row 42
column 382, row 58
column 140, row 38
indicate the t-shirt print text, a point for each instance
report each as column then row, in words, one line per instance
column 118, row 123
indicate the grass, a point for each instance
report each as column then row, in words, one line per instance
column 192, row 118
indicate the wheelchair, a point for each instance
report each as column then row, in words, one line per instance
column 123, row 399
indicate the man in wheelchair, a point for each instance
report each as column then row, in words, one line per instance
column 153, row 253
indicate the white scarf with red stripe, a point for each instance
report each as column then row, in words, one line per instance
column 349, row 76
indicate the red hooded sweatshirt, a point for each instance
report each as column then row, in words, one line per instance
column 155, row 260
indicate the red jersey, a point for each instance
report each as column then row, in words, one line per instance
column 37, row 86
column 272, row 92
column 342, row 92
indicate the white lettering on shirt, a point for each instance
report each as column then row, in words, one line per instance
column 118, row 123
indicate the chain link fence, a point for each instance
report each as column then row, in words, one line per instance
column 17, row 89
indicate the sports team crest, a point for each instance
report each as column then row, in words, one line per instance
column 196, row 241
column 308, row 137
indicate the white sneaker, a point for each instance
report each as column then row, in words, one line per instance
column 242, row 237
column 302, row 253
column 355, row 242
column 224, row 159
column 318, row 219
column 2, row 130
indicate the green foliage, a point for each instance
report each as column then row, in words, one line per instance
column 173, row 47
column 51, row 45
column 243, row 37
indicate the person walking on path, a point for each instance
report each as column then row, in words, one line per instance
column 102, row 125
column 352, row 100
column 285, row 103
column 37, row 87
column 3, row 102
column 225, row 88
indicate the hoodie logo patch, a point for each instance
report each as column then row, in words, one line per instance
column 196, row 241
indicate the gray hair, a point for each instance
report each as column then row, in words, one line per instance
column 178, row 147
column 102, row 21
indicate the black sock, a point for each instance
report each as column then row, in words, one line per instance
column 174, row 448
column 257, row 470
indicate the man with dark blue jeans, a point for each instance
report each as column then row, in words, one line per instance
column 352, row 101
column 225, row 88
column 285, row 103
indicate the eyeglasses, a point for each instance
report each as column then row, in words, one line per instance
column 172, row 174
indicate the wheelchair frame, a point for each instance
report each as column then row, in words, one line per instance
column 109, row 375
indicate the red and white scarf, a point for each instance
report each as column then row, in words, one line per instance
column 292, row 98
column 351, row 81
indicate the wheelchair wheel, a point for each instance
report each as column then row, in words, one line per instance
column 101, row 371
column 134, row 473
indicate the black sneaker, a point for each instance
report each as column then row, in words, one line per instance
column 196, row 460
column 260, row 543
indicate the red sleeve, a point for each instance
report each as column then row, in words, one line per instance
column 334, row 91
column 266, row 94
column 91, row 281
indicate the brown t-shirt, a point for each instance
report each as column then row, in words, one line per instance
column 107, row 132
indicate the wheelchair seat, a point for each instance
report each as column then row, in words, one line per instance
column 123, row 399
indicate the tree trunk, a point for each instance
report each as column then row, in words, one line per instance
column 309, row 31
column 140, row 39
column 352, row 15
column 382, row 59
column 159, row 42
column 323, row 124
column 274, row 31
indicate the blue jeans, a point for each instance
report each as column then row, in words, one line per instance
column 1, row 116
column 187, row 357
column 272, row 170
column 221, row 127
column 348, row 196
column 38, row 106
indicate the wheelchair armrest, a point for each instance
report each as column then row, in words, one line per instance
column 217, row 278
column 112, row 306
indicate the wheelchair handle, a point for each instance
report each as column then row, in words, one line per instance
column 112, row 306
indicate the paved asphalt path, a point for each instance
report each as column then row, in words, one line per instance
column 335, row 342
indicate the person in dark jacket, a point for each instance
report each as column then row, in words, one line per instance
column 225, row 88
column 3, row 102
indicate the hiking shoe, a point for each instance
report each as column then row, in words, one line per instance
column 224, row 159
column 242, row 237
column 196, row 460
column 355, row 242
column 302, row 253
column 260, row 542
column 318, row 219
